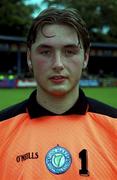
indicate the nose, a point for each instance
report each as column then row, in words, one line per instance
column 57, row 64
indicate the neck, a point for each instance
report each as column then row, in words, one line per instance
column 57, row 104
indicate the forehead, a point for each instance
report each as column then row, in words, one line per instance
column 57, row 34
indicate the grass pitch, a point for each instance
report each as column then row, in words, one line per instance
column 12, row 96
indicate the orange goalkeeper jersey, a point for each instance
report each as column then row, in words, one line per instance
column 36, row 144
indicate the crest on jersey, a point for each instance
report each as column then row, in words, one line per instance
column 58, row 160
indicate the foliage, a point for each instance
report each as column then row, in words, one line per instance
column 100, row 16
column 15, row 17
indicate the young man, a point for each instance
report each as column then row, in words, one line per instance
column 58, row 133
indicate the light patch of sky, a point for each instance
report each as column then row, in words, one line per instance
column 41, row 5
column 33, row 1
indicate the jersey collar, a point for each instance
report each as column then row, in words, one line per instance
column 35, row 110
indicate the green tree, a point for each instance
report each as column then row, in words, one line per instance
column 15, row 17
column 100, row 16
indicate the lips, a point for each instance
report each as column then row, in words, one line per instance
column 58, row 78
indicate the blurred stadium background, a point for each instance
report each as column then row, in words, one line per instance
column 11, row 96
column 16, row 82
column 99, row 80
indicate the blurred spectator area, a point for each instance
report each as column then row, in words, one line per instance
column 102, row 62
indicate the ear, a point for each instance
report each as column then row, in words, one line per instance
column 29, row 62
column 86, row 59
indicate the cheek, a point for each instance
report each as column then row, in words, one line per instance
column 40, row 66
column 75, row 69
column 76, row 65
column 39, row 69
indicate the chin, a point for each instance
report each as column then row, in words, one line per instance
column 59, row 92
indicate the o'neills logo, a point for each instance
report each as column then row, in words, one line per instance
column 29, row 155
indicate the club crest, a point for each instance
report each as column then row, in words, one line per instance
column 58, row 160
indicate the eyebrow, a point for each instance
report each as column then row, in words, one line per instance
column 44, row 46
column 72, row 46
column 66, row 46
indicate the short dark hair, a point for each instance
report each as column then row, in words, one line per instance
column 68, row 16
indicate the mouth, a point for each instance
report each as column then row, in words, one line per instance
column 58, row 78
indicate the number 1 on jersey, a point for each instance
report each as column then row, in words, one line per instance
column 84, row 163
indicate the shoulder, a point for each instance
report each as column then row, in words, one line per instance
column 101, row 108
column 13, row 110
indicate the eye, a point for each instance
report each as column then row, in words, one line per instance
column 45, row 52
column 70, row 52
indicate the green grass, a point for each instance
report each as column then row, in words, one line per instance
column 11, row 96
column 107, row 95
